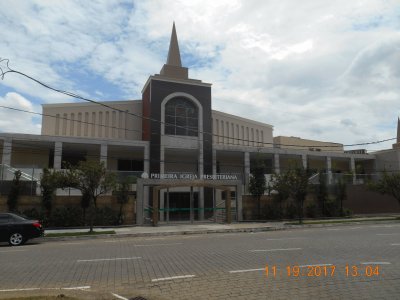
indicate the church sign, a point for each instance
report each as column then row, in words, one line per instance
column 191, row 176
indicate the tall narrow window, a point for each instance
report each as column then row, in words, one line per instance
column 93, row 124
column 114, row 117
column 57, row 130
column 64, row 129
column 79, row 125
column 181, row 117
column 72, row 126
column 107, row 125
column 86, row 123
column 217, row 130
column 100, row 130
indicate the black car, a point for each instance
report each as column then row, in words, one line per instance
column 16, row 230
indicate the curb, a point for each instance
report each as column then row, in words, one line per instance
column 211, row 231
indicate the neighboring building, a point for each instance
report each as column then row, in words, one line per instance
column 172, row 132
column 292, row 142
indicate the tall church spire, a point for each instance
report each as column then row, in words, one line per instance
column 173, row 68
column 398, row 130
column 174, row 56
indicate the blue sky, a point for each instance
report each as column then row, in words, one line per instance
column 324, row 70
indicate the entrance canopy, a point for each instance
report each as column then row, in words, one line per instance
column 143, row 186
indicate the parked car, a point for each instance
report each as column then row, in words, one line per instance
column 16, row 229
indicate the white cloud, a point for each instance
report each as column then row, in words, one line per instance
column 319, row 70
column 17, row 121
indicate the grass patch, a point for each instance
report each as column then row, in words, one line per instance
column 343, row 221
column 83, row 233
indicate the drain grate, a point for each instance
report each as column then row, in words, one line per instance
column 138, row 298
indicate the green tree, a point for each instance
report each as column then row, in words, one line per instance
column 257, row 182
column 389, row 184
column 13, row 195
column 93, row 180
column 298, row 188
column 49, row 183
column 281, row 187
column 322, row 192
column 122, row 193
column 341, row 193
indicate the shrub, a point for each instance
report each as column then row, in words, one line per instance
column 106, row 216
column 68, row 216
column 311, row 210
column 291, row 210
column 331, row 207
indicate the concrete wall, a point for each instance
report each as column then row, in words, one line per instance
column 234, row 130
column 77, row 119
column 29, row 202
column 292, row 142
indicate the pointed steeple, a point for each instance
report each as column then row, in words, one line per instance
column 174, row 56
column 173, row 68
column 398, row 130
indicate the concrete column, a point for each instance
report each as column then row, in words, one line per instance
column 214, row 161
column 246, row 169
column 329, row 169
column 162, row 205
column 162, row 160
column 7, row 149
column 239, row 205
column 304, row 161
column 353, row 169
column 144, row 199
column 276, row 163
column 57, row 155
column 201, row 189
column 139, row 203
column 103, row 154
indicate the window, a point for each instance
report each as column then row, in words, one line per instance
column 130, row 165
column 181, row 117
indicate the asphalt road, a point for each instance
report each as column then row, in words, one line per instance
column 343, row 262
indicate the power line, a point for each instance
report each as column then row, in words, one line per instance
column 70, row 94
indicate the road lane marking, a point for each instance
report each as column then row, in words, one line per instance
column 272, row 250
column 376, row 263
column 172, row 278
column 334, row 229
column 10, row 251
column 108, row 259
column 289, row 238
column 387, row 234
column 395, row 244
column 316, row 265
column 119, row 297
column 148, row 245
column 248, row 270
column 59, row 288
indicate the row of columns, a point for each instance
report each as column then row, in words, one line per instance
column 276, row 159
column 58, row 149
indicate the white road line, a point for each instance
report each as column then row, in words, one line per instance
column 10, row 251
column 20, row 290
column 173, row 277
column 316, row 265
column 272, row 250
column 107, row 259
column 376, row 263
column 395, row 244
column 354, row 227
column 334, row 229
column 36, row 289
column 149, row 245
column 77, row 287
column 289, row 238
column 387, row 234
column 119, row 297
column 248, row 270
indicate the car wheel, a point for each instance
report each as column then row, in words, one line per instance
column 16, row 239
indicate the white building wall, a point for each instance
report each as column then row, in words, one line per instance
column 233, row 130
column 94, row 120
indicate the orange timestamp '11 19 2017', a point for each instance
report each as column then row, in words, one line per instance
column 323, row 271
